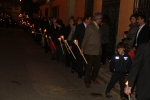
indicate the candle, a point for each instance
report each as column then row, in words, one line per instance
column 46, row 36
column 45, row 31
column 62, row 37
column 65, row 41
column 59, row 39
column 76, row 43
column 40, row 29
column 61, row 45
column 127, row 87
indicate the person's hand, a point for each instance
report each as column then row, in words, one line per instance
column 70, row 47
column 127, row 90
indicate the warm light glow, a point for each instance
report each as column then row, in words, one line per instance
column 59, row 39
column 126, row 83
column 62, row 36
column 45, row 31
column 46, row 36
column 20, row 0
column 40, row 29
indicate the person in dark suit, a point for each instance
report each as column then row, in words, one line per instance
column 91, row 47
column 140, row 71
column 79, row 35
column 143, row 34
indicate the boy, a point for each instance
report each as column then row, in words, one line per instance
column 119, row 64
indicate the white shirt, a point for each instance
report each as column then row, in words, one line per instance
column 85, row 24
column 140, row 28
column 96, row 24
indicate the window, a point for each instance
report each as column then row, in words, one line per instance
column 46, row 12
column 55, row 11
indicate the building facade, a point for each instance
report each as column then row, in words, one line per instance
column 119, row 12
column 12, row 9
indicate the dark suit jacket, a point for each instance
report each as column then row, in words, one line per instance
column 79, row 34
column 144, row 35
column 140, row 69
column 91, row 44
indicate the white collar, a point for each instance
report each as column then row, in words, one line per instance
column 85, row 24
column 95, row 23
column 141, row 26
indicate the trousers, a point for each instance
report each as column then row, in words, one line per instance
column 116, row 76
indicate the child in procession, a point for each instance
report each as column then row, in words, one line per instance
column 120, row 64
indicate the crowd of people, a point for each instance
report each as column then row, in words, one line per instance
column 82, row 45
column 75, row 43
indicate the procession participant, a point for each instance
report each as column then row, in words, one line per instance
column 143, row 34
column 140, row 73
column 120, row 64
column 91, row 47
column 79, row 35
column 69, row 31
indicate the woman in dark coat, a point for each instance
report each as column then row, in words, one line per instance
column 132, row 32
column 59, row 50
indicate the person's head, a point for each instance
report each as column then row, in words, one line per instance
column 54, row 21
column 71, row 17
column 120, row 48
column 79, row 20
column 97, row 17
column 125, row 34
column 87, row 19
column 60, row 23
column 72, row 22
column 141, row 19
column 133, row 19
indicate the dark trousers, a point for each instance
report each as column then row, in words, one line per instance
column 59, row 54
column 46, row 46
column 142, row 98
column 93, row 61
column 103, row 56
column 79, row 63
column 115, row 77
column 68, row 58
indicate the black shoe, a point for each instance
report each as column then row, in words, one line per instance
column 108, row 95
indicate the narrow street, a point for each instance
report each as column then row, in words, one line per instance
column 28, row 73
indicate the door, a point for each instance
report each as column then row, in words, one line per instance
column 111, row 8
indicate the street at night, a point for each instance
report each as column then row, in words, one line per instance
column 28, row 73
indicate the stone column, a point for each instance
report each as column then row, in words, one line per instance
column 70, row 9
column 79, row 8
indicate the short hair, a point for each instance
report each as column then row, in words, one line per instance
column 125, row 32
column 142, row 17
column 120, row 45
column 97, row 16
column 87, row 17
column 79, row 18
column 134, row 15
